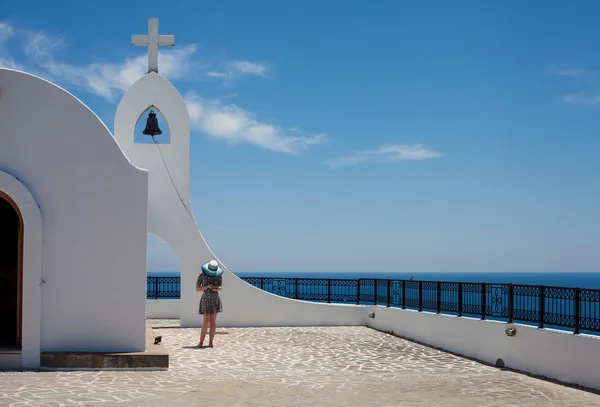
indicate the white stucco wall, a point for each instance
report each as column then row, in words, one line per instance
column 93, row 207
column 246, row 305
column 32, row 266
column 168, row 219
column 162, row 309
column 554, row 354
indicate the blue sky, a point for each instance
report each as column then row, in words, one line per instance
column 359, row 136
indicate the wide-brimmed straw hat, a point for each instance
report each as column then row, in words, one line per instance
column 212, row 269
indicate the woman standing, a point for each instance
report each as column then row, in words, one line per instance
column 210, row 282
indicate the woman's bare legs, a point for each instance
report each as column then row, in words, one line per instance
column 213, row 327
column 205, row 322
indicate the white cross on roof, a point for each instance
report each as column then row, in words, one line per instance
column 152, row 40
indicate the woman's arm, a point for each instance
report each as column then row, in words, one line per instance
column 219, row 284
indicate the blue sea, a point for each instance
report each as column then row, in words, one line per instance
column 571, row 279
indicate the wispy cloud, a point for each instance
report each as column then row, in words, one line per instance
column 581, row 99
column 386, row 153
column 236, row 125
column 235, row 69
column 570, row 72
column 250, row 68
column 6, row 32
column 586, row 79
column 212, row 74
column 40, row 45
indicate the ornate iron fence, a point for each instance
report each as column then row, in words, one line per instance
column 562, row 307
column 163, row 287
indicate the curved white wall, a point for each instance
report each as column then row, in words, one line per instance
column 93, row 206
column 553, row 354
column 32, row 266
column 162, row 309
column 244, row 305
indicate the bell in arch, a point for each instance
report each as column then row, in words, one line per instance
column 152, row 128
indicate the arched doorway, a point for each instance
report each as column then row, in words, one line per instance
column 11, row 273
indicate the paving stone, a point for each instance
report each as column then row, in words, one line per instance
column 350, row 366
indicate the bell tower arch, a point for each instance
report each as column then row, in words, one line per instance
column 152, row 91
column 152, row 127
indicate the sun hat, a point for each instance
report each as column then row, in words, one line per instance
column 212, row 269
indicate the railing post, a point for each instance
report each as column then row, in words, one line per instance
column 296, row 288
column 389, row 297
column 439, row 297
column 542, row 306
column 420, row 296
column 328, row 291
column 374, row 291
column 577, row 311
column 358, row 292
column 510, row 304
column 460, row 295
column 483, row 300
column 261, row 283
column 156, row 287
column 403, row 294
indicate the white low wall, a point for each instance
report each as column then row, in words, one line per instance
column 280, row 311
column 246, row 305
column 162, row 309
column 553, row 354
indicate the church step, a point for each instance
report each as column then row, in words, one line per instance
column 104, row 361
column 154, row 358
column 10, row 358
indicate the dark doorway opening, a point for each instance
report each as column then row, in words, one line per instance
column 11, row 227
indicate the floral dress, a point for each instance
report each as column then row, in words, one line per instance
column 210, row 303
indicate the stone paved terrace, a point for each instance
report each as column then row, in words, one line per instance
column 324, row 366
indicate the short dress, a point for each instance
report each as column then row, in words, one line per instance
column 210, row 303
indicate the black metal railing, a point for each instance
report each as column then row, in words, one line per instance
column 577, row 309
column 163, row 287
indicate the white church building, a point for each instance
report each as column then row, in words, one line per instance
column 76, row 206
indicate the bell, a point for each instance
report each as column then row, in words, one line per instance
column 152, row 128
